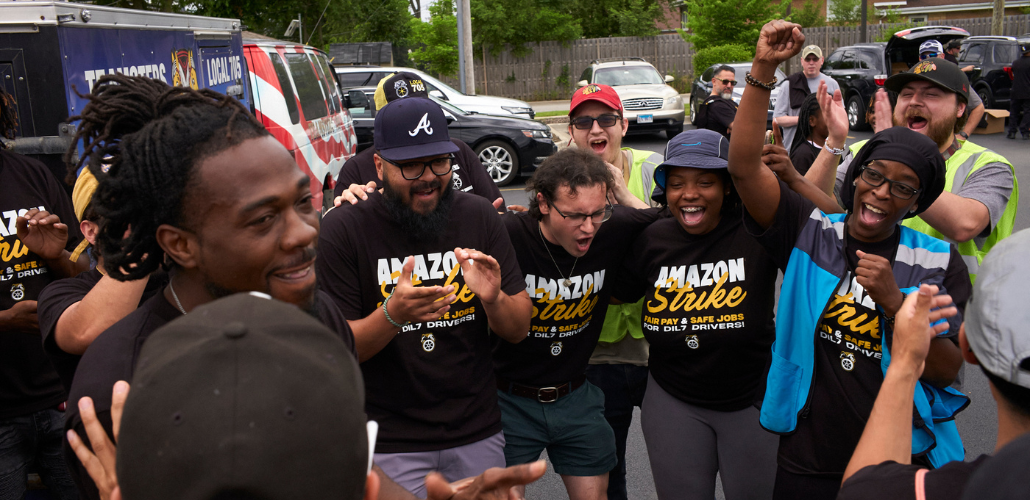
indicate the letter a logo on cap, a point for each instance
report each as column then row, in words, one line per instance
column 423, row 124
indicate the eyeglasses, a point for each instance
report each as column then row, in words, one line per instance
column 927, row 55
column 596, row 217
column 731, row 82
column 899, row 190
column 587, row 122
column 413, row 170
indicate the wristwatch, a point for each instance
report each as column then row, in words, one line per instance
column 964, row 135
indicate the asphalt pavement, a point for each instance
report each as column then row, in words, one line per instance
column 977, row 424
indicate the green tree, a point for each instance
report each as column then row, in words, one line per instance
column 846, row 12
column 603, row 18
column 809, row 15
column 435, row 43
column 516, row 22
column 728, row 22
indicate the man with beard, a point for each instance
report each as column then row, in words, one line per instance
column 718, row 110
column 171, row 197
column 425, row 350
column 978, row 206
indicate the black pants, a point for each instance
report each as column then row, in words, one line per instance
column 623, row 387
column 790, row 486
column 1019, row 116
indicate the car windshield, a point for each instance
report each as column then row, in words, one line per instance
column 454, row 110
column 440, row 85
column 628, row 75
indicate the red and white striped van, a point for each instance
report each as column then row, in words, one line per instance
column 296, row 97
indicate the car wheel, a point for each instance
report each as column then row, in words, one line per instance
column 856, row 113
column 500, row 160
column 693, row 110
column 985, row 95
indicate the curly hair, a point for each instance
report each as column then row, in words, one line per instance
column 570, row 167
column 143, row 139
column 8, row 116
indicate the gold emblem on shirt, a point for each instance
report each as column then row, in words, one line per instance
column 428, row 342
column 555, row 348
column 692, row 342
column 847, row 360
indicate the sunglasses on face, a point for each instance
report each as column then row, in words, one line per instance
column 587, row 122
column 898, row 189
column 927, row 55
column 731, row 82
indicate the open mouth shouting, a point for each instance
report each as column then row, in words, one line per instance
column 692, row 215
column 598, row 146
column 871, row 215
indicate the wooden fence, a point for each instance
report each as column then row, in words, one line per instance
column 552, row 69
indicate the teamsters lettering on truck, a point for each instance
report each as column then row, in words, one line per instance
column 223, row 70
column 155, row 71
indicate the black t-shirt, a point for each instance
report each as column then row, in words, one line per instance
column 432, row 387
column 28, row 382
column 468, row 173
column 57, row 297
column 804, row 156
column 566, row 321
column 894, row 481
column 847, row 371
column 1021, row 78
column 716, row 113
column 708, row 311
column 113, row 356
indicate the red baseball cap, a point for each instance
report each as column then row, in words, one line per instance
column 596, row 92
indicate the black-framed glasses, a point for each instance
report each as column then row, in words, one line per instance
column 587, row 122
column 898, row 189
column 731, row 82
column 596, row 217
column 413, row 170
column 927, row 55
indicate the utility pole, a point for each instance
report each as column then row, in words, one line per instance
column 865, row 27
column 300, row 28
column 997, row 20
column 466, row 73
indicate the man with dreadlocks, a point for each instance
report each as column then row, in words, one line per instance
column 198, row 185
column 35, row 248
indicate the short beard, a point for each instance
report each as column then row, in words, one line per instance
column 939, row 132
column 428, row 227
column 726, row 95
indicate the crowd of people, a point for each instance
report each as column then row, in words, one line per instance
column 215, row 338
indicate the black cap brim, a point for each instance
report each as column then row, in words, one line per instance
column 404, row 153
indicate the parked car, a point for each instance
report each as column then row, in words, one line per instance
column 507, row 146
column 702, row 88
column 85, row 42
column 991, row 58
column 369, row 76
column 649, row 103
column 861, row 69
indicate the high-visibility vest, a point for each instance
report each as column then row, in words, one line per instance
column 960, row 166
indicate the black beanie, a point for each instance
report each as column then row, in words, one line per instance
column 900, row 144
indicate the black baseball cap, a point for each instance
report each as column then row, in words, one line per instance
column 244, row 394
column 935, row 70
column 399, row 86
column 411, row 128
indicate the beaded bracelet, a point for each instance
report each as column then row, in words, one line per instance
column 754, row 81
column 387, row 313
column 836, row 151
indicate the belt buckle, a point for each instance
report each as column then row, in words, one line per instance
column 553, row 391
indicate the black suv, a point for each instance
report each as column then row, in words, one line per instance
column 991, row 58
column 861, row 69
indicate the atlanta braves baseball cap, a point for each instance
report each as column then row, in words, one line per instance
column 596, row 92
column 245, row 393
column 935, row 70
column 399, row 86
column 409, row 128
column 698, row 148
column 996, row 314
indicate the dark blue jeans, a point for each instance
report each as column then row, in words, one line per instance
column 623, row 387
column 34, row 439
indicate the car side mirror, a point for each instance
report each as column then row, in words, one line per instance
column 437, row 94
column 582, row 83
column 346, row 101
column 669, row 79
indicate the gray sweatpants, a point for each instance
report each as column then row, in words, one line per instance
column 687, row 445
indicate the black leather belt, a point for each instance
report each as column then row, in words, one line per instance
column 541, row 394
